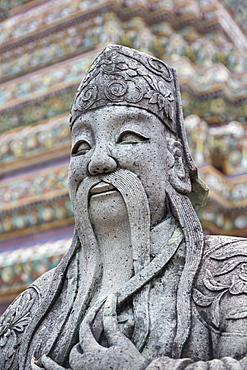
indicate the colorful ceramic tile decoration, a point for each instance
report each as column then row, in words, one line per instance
column 33, row 186
column 33, row 140
column 45, row 49
column 25, row 217
column 21, row 267
column 42, row 82
column 42, row 48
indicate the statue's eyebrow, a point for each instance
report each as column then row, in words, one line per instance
column 132, row 127
column 79, row 125
column 141, row 114
column 135, row 123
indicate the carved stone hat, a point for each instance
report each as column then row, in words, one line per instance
column 124, row 76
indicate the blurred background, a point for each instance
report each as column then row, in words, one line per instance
column 46, row 48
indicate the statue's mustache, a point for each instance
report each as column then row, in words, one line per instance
column 121, row 180
column 101, row 187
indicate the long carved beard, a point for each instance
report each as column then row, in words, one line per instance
column 70, row 316
column 134, row 196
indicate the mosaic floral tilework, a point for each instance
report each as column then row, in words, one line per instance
column 223, row 221
column 34, row 186
column 34, row 140
column 225, row 147
column 35, row 111
column 42, row 82
column 36, row 214
column 45, row 15
column 89, row 32
column 20, row 267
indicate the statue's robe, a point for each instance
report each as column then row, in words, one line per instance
column 43, row 319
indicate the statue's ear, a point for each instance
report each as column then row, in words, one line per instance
column 178, row 172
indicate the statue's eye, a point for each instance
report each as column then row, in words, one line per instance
column 130, row 137
column 80, row 148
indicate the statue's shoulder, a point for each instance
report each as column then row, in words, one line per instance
column 15, row 320
column 220, row 288
column 217, row 244
column 41, row 284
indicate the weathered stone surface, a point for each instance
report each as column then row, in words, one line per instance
column 140, row 287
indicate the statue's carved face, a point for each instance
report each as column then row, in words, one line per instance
column 120, row 137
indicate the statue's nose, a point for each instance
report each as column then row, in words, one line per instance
column 101, row 162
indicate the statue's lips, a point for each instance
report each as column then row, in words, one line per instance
column 101, row 188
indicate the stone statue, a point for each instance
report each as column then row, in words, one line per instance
column 140, row 287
